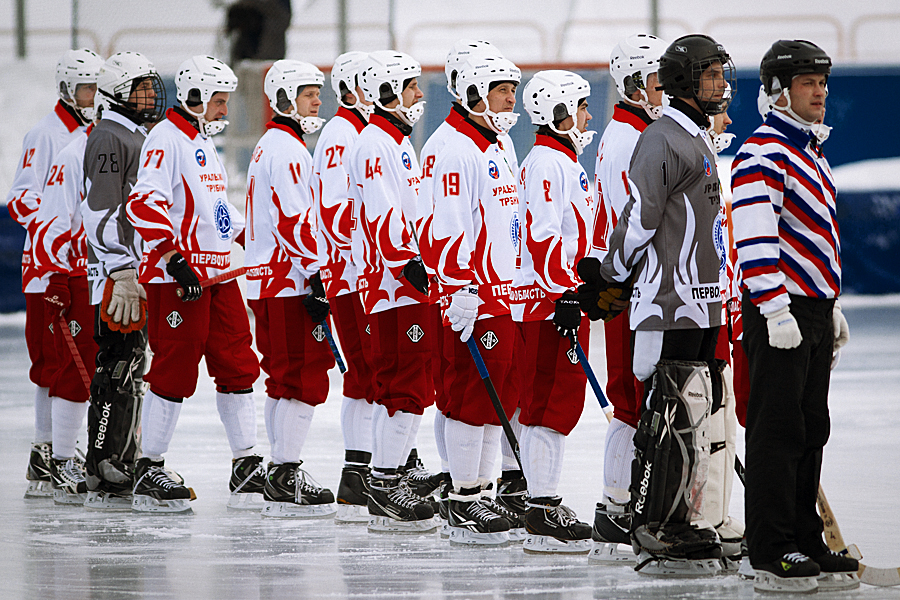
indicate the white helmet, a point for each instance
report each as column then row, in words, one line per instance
column 392, row 69
column 462, row 52
column 551, row 96
column 346, row 71
column 198, row 78
column 74, row 68
column 632, row 61
column 118, row 77
column 474, row 82
column 285, row 79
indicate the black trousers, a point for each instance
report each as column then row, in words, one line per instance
column 787, row 427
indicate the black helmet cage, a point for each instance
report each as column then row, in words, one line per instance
column 788, row 58
column 715, row 107
column 684, row 62
column 148, row 115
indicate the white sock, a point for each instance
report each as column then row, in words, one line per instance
column 617, row 462
column 238, row 415
column 509, row 457
column 440, row 440
column 68, row 422
column 268, row 415
column 389, row 437
column 463, row 451
column 291, row 422
column 43, row 419
column 411, row 438
column 356, row 424
column 542, row 455
column 489, row 446
column 158, row 419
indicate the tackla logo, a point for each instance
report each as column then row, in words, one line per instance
column 319, row 333
column 174, row 319
column 573, row 356
column 489, row 340
column 415, row 333
column 74, row 327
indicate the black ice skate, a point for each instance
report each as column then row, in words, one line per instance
column 353, row 495
column 793, row 573
column 419, row 480
column 472, row 522
column 677, row 550
column 40, row 479
column 512, row 495
column 609, row 535
column 112, row 491
column 248, row 479
column 68, row 478
column 394, row 509
column 159, row 490
column 838, row 572
column 553, row 528
column 291, row 493
column 443, row 498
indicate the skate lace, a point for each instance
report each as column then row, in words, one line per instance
column 402, row 497
column 795, row 558
column 306, row 483
column 564, row 514
column 160, row 477
column 481, row 511
column 259, row 470
column 72, row 471
column 499, row 509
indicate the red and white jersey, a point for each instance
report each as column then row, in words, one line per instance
column 333, row 209
column 554, row 218
column 39, row 149
column 475, row 225
column 611, row 172
column 60, row 245
column 280, row 237
column 384, row 185
column 179, row 202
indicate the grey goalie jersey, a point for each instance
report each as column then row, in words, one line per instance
column 666, row 233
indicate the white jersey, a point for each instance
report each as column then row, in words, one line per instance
column 333, row 210
column 611, row 172
column 554, row 216
column 475, row 229
column 179, row 202
column 384, row 185
column 39, row 148
column 60, row 245
column 280, row 235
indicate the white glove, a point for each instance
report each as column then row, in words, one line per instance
column 124, row 304
column 784, row 332
column 841, row 329
column 463, row 310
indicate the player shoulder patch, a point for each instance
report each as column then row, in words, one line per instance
column 200, row 155
column 707, row 167
column 584, row 182
column 222, row 219
column 493, row 171
column 407, row 162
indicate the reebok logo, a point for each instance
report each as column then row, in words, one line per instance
column 101, row 426
column 645, row 486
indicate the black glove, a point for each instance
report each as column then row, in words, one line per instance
column 315, row 301
column 182, row 272
column 567, row 317
column 415, row 274
column 601, row 299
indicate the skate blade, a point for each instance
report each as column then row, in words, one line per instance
column 352, row 514
column 745, row 571
column 245, row 501
column 39, row 489
column 677, row 567
column 149, row 504
column 837, row 582
column 517, row 535
column 107, row 501
column 63, row 497
column 389, row 525
column 545, row 544
column 289, row 510
column 609, row 553
column 771, row 583
column 464, row 537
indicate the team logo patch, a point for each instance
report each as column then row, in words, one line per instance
column 514, row 233
column 415, row 333
column 572, row 355
column 584, row 182
column 318, row 333
column 74, row 328
column 489, row 340
column 707, row 167
column 719, row 241
column 201, row 157
column 406, row 161
column 50, row 327
column 222, row 219
column 368, row 330
column 493, row 171
column 174, row 319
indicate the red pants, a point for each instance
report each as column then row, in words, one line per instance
column 401, row 358
column 66, row 383
column 467, row 399
column 295, row 352
column 181, row 333
column 439, row 362
column 39, row 341
column 351, row 325
column 623, row 389
column 741, row 382
column 553, row 383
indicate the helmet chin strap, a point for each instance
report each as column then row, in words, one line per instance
column 654, row 112
column 408, row 114
column 207, row 128
column 500, row 123
column 580, row 139
column 789, row 110
column 365, row 110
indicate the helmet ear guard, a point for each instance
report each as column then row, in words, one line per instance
column 345, row 79
column 394, row 70
column 285, row 81
column 198, row 79
column 481, row 75
column 550, row 97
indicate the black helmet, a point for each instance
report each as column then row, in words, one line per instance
column 788, row 58
column 685, row 60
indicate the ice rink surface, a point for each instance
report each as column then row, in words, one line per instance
column 67, row 553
